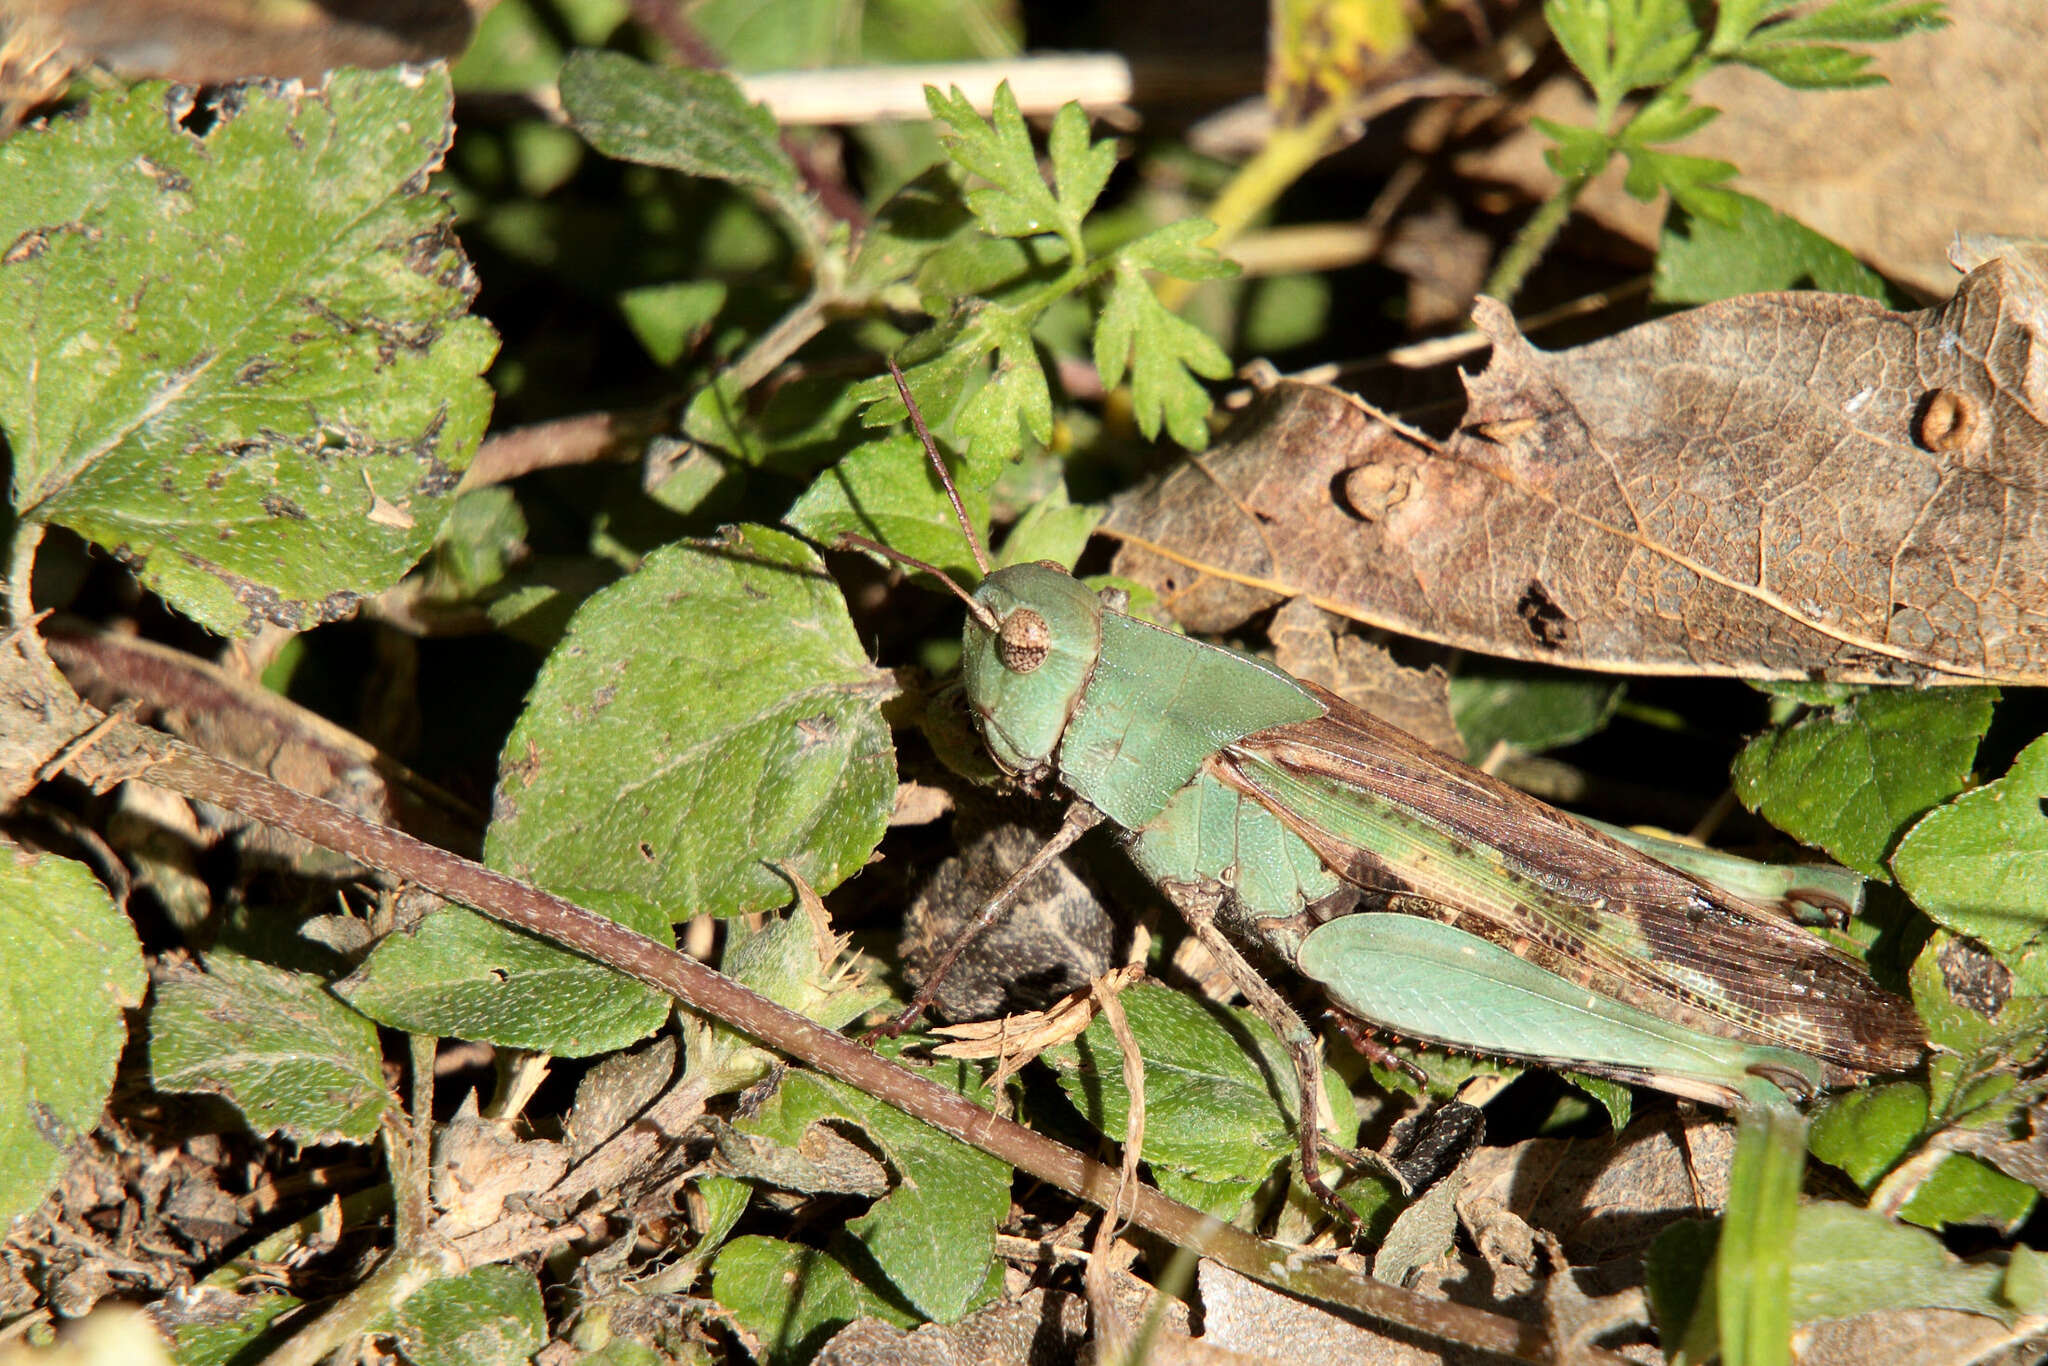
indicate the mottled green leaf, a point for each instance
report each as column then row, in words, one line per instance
column 1851, row 779
column 685, row 118
column 241, row 361
column 706, row 717
column 466, row 977
column 491, row 1316
column 277, row 1045
column 933, row 1234
column 69, row 965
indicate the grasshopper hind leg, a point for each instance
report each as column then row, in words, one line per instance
column 1198, row 905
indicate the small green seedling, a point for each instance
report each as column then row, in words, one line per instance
column 1422, row 895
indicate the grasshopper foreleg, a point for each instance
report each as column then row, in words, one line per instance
column 1197, row 906
column 1079, row 819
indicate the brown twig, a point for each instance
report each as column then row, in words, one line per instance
column 132, row 751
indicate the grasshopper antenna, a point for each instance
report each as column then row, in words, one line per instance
column 983, row 617
column 938, row 463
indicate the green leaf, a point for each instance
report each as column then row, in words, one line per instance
column 491, row 1316
column 1669, row 117
column 1624, row 45
column 69, row 965
column 1979, row 865
column 795, row 963
column 1160, row 347
column 1845, row 1261
column 1977, row 1008
column 1963, row 1190
column 1851, row 779
column 241, row 362
column 1531, row 710
column 1700, row 260
column 1866, row 1131
column 1694, row 182
column 466, row 977
column 277, row 1045
column 1020, row 203
column 1811, row 66
column 789, row 1297
column 687, row 119
column 1211, row 1078
column 710, row 715
column 1858, row 21
column 1580, row 154
column 668, row 318
column 231, row 1329
column 933, row 1234
column 886, row 490
column 940, row 364
column 1050, row 529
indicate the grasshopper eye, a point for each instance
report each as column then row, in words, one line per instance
column 1023, row 641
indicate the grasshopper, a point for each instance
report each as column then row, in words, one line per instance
column 1422, row 896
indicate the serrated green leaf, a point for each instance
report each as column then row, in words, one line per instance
column 1699, row 261
column 1811, row 66
column 1080, row 168
column 1851, row 779
column 467, row 977
column 1531, row 710
column 940, row 365
column 1582, row 29
column 69, row 966
column 1211, row 1078
column 1694, row 182
column 1963, row 1190
column 1161, row 349
column 710, row 715
column 273, row 426
column 1859, row 21
column 1866, row 1131
column 1669, row 117
column 687, row 119
column 277, row 1045
column 1581, row 153
column 886, row 490
column 491, row 1316
column 1179, row 249
column 933, row 1234
column 1624, row 45
column 1979, row 865
column 998, row 150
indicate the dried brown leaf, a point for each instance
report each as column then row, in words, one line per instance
column 1775, row 486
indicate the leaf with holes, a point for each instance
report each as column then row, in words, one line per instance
column 275, row 425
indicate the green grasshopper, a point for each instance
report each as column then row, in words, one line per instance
column 1423, row 896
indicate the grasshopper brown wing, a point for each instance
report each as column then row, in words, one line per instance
column 1389, row 814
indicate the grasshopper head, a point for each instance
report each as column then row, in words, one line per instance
column 1024, row 677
